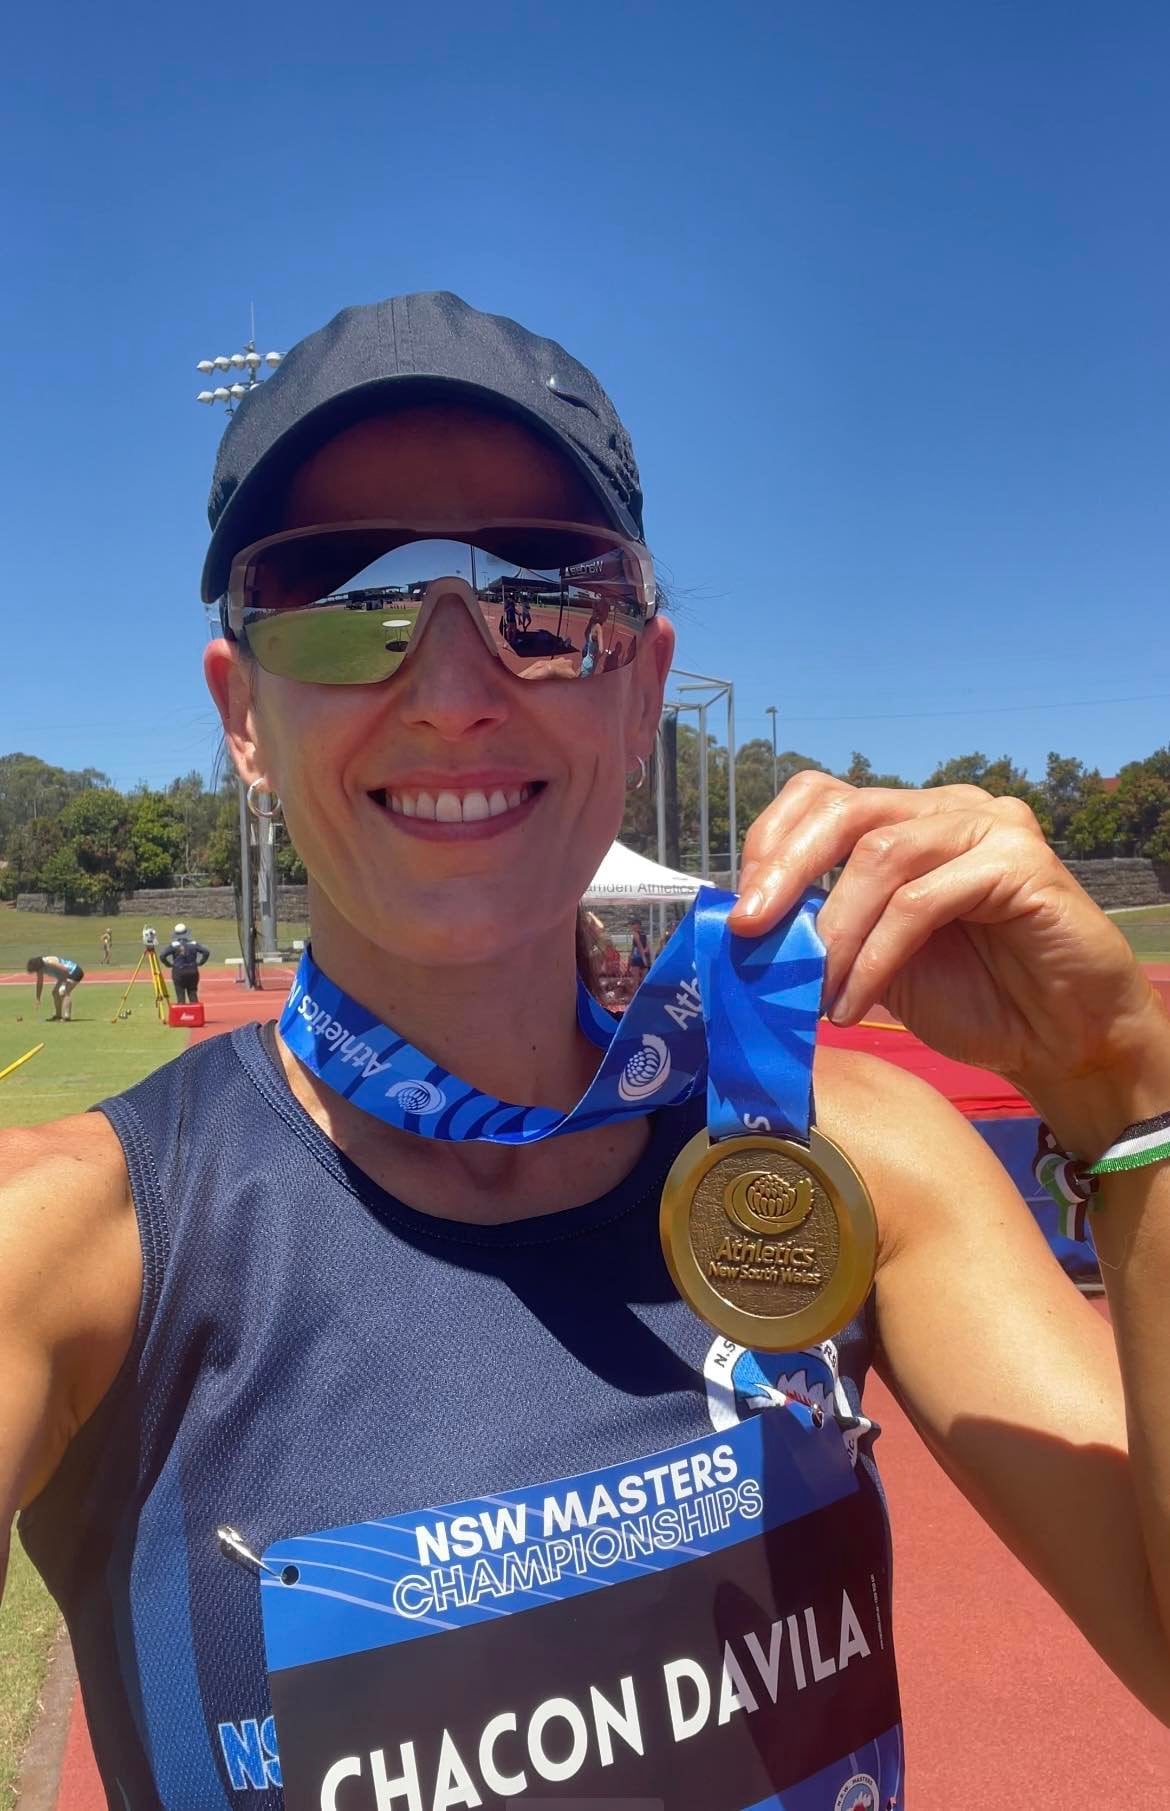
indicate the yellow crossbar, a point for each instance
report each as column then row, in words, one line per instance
column 20, row 1060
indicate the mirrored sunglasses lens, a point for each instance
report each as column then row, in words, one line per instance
column 340, row 609
column 332, row 646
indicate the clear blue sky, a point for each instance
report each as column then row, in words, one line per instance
column 881, row 291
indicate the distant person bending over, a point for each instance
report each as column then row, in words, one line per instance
column 63, row 974
column 107, row 941
column 184, row 957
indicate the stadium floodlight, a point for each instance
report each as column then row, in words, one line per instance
column 245, row 366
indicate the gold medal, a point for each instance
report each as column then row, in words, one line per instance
column 771, row 1242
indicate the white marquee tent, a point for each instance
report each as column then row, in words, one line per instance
column 625, row 875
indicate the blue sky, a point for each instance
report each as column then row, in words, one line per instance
column 880, row 290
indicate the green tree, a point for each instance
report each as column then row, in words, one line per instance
column 95, row 828
column 753, row 783
column 1158, row 846
column 65, row 879
column 997, row 777
column 1143, row 796
column 1001, row 778
column 156, row 839
column 29, row 848
column 860, row 773
column 753, row 791
column 30, row 790
column 289, row 866
column 196, row 807
column 219, row 856
column 1067, row 785
column 1094, row 829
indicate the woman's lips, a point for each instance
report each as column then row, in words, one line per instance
column 446, row 810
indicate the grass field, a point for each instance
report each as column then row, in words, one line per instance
column 27, row 1623
column 1148, row 930
column 25, row 934
column 82, row 1061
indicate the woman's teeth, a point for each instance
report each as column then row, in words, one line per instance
column 458, row 807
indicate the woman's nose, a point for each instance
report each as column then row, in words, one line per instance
column 450, row 683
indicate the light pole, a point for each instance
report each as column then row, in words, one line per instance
column 246, row 367
column 714, row 690
column 775, row 768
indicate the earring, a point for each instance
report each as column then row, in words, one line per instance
column 254, row 808
column 641, row 779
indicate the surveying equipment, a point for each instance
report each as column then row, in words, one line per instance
column 154, row 974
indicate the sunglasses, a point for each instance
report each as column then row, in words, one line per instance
column 345, row 605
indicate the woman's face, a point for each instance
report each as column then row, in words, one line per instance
column 451, row 720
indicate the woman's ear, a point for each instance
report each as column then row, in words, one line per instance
column 229, row 677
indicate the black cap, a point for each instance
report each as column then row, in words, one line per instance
column 344, row 371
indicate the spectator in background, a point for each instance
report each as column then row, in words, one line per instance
column 184, row 957
column 63, row 974
column 107, row 940
column 639, row 952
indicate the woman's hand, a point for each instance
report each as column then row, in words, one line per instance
column 954, row 913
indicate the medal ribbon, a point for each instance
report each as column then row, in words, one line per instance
column 739, row 1013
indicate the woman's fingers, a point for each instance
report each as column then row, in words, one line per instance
column 968, row 887
column 882, row 861
column 811, row 827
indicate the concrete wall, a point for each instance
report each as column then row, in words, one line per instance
column 164, row 906
column 1124, row 881
column 1121, row 882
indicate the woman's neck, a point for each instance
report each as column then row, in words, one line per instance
column 507, row 1030
column 506, row 1027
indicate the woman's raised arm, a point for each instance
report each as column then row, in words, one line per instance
column 70, row 1283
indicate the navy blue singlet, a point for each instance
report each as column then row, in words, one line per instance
column 311, row 1353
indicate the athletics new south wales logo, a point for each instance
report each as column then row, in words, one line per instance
column 646, row 1070
column 420, row 1097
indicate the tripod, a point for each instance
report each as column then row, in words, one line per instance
column 162, row 998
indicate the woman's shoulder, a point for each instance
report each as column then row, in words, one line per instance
column 903, row 1136
column 79, row 1154
column 70, row 1269
column 64, row 1194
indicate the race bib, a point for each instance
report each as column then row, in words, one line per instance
column 706, row 1629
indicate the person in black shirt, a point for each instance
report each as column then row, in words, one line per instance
column 184, row 957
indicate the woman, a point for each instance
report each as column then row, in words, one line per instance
column 234, row 1297
column 63, row 975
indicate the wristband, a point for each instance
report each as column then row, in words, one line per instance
column 1074, row 1184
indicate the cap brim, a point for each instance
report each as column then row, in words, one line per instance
column 239, row 525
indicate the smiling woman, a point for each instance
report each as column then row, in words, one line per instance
column 358, row 1424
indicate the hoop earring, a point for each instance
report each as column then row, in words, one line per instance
column 641, row 779
column 253, row 807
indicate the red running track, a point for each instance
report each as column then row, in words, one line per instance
column 1006, row 1707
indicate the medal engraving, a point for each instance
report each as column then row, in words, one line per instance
column 771, row 1242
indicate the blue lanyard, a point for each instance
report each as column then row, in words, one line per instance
column 738, row 1013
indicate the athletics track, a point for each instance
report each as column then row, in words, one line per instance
column 1006, row 1708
